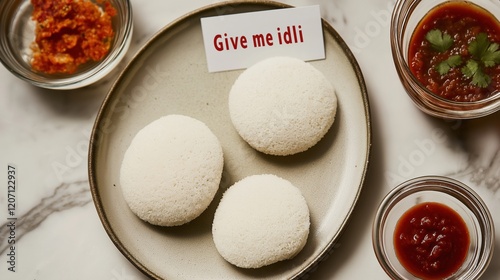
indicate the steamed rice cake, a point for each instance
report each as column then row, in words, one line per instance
column 260, row 220
column 282, row 106
column 171, row 170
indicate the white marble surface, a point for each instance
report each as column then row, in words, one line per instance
column 45, row 135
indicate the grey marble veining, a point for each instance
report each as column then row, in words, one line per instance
column 65, row 196
column 481, row 140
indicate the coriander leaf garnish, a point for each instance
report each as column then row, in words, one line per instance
column 491, row 56
column 439, row 41
column 483, row 54
column 479, row 45
column 483, row 51
column 470, row 68
column 444, row 66
column 473, row 70
column 480, row 79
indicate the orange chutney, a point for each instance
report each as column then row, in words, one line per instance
column 70, row 33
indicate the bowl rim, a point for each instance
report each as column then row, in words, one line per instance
column 445, row 185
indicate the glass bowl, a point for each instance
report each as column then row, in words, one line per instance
column 405, row 17
column 446, row 191
column 17, row 33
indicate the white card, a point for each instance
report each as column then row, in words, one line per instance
column 240, row 40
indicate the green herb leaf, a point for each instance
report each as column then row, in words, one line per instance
column 492, row 56
column 439, row 41
column 444, row 66
column 472, row 70
column 481, row 79
column 479, row 46
column 483, row 51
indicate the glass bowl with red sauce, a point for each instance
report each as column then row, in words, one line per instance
column 433, row 227
column 63, row 45
column 446, row 55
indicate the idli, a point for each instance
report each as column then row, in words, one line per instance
column 282, row 105
column 171, row 170
column 260, row 220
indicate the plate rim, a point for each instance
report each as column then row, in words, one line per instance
column 104, row 108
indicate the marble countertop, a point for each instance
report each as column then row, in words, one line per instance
column 45, row 135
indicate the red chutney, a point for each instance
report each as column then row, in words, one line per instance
column 70, row 33
column 431, row 240
column 463, row 21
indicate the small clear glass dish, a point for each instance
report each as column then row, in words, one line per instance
column 17, row 33
column 406, row 15
column 449, row 192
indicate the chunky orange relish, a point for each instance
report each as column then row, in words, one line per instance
column 70, row 33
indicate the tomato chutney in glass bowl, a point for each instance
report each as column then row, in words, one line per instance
column 64, row 45
column 447, row 55
column 433, row 227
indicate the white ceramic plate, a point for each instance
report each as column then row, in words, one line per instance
column 169, row 76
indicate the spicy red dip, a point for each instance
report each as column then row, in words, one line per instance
column 431, row 240
column 463, row 22
column 70, row 33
